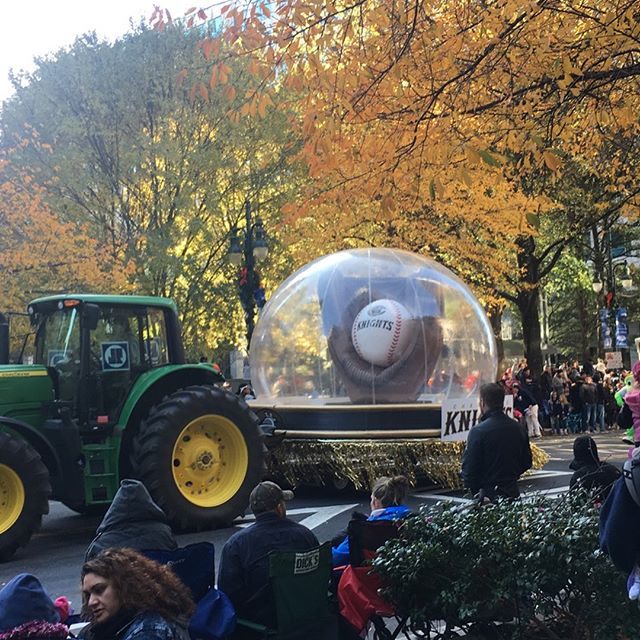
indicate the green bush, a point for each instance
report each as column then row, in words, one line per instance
column 525, row 569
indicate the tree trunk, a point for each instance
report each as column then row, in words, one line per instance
column 528, row 303
column 495, row 318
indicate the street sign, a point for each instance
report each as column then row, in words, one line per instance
column 613, row 359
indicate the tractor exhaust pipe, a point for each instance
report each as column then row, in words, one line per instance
column 4, row 339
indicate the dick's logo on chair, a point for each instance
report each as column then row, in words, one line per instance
column 306, row 562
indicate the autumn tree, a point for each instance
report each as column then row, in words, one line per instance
column 40, row 253
column 425, row 110
column 155, row 165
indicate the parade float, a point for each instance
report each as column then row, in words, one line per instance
column 354, row 357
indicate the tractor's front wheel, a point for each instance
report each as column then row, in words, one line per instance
column 200, row 454
column 24, row 493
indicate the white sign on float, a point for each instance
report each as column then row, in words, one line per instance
column 458, row 416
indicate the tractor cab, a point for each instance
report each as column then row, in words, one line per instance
column 95, row 347
column 109, row 396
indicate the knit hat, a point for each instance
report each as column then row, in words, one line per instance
column 23, row 600
column 636, row 371
column 585, row 452
column 266, row 497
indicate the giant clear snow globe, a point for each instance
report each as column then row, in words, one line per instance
column 371, row 326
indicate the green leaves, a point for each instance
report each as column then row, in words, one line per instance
column 524, row 561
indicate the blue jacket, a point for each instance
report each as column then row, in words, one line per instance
column 396, row 512
column 244, row 563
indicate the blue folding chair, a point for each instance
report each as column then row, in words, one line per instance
column 214, row 617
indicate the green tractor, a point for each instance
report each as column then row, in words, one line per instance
column 110, row 396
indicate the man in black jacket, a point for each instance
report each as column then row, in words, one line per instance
column 497, row 451
column 244, row 563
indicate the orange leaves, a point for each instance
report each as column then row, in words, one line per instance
column 180, row 78
column 552, row 159
column 42, row 252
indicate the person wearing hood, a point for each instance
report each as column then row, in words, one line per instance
column 387, row 496
column 590, row 474
column 27, row 612
column 127, row 596
column 133, row 520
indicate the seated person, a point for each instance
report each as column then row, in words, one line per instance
column 387, row 497
column 26, row 611
column 244, row 562
column 134, row 521
column 591, row 474
column 118, row 599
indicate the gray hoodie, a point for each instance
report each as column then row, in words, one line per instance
column 133, row 520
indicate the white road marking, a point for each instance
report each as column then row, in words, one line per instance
column 547, row 473
column 318, row 517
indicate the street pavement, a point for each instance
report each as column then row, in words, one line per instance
column 55, row 554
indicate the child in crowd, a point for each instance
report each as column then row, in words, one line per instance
column 558, row 408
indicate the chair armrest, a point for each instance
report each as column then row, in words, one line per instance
column 254, row 626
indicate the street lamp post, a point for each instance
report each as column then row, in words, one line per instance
column 611, row 320
column 246, row 254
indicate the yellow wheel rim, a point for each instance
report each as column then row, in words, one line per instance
column 210, row 461
column 11, row 497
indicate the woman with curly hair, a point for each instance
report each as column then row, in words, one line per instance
column 127, row 596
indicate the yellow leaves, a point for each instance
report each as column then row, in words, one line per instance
column 472, row 155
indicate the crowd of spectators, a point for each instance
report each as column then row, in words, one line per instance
column 565, row 399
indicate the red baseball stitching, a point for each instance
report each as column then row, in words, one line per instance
column 396, row 333
column 354, row 336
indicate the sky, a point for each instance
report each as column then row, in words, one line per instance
column 39, row 27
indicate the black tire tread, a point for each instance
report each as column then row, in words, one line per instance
column 20, row 456
column 164, row 423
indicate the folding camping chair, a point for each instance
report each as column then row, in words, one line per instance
column 298, row 589
column 214, row 617
column 358, row 595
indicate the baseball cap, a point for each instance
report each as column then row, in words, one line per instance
column 266, row 496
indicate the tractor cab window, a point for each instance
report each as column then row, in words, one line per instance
column 58, row 347
column 126, row 342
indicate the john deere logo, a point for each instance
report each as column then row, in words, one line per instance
column 115, row 356
column 378, row 310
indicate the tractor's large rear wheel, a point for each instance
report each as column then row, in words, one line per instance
column 200, row 454
column 24, row 493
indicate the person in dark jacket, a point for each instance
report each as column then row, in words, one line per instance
column 497, row 451
column 244, row 562
column 133, row 520
column 591, row 474
column 589, row 396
